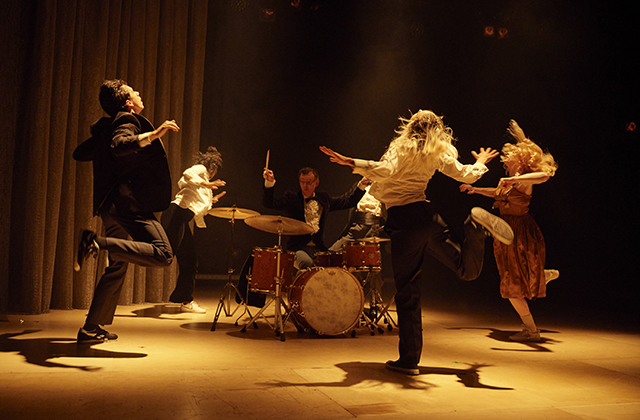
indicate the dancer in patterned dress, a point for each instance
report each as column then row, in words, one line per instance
column 521, row 264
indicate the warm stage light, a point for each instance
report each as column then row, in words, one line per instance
column 631, row 126
column 267, row 14
column 488, row 31
column 502, row 32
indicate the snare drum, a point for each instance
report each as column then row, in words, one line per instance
column 329, row 259
column 265, row 263
column 361, row 256
column 328, row 300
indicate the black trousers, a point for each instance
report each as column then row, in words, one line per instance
column 175, row 221
column 414, row 229
column 131, row 237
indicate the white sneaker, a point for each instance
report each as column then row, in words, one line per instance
column 551, row 275
column 496, row 226
column 525, row 335
column 192, row 307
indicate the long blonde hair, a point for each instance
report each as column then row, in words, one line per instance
column 424, row 135
column 528, row 155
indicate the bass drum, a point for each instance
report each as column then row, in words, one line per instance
column 327, row 300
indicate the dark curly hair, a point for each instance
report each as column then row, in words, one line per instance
column 212, row 159
column 113, row 97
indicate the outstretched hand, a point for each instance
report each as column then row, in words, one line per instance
column 164, row 127
column 215, row 184
column 217, row 197
column 337, row 157
column 469, row 189
column 486, row 155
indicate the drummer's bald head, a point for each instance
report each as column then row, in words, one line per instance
column 307, row 171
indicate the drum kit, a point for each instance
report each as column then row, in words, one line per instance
column 327, row 298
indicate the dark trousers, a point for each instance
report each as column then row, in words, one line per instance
column 175, row 221
column 131, row 237
column 414, row 229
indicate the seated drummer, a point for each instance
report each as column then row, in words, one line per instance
column 309, row 206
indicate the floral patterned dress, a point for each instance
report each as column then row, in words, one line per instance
column 521, row 264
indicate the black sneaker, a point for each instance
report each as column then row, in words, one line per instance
column 96, row 336
column 87, row 246
column 493, row 224
column 398, row 366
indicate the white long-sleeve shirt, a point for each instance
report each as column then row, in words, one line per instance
column 193, row 195
column 402, row 178
column 369, row 204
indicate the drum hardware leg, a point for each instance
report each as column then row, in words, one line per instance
column 225, row 303
column 279, row 305
column 258, row 315
column 365, row 321
column 377, row 309
column 225, row 299
column 301, row 329
column 245, row 311
column 384, row 314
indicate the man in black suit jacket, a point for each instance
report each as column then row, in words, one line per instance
column 131, row 181
column 309, row 206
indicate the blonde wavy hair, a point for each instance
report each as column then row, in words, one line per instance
column 528, row 155
column 424, row 135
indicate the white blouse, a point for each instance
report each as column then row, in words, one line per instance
column 402, row 178
column 193, row 195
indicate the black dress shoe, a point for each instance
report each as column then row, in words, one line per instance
column 398, row 366
column 87, row 246
column 98, row 335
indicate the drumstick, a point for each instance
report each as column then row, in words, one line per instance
column 266, row 165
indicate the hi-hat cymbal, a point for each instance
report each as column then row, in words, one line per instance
column 374, row 239
column 279, row 224
column 232, row 212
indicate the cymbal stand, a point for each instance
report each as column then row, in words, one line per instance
column 230, row 289
column 378, row 311
column 275, row 297
column 366, row 320
column 376, row 303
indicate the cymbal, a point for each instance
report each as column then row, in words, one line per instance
column 374, row 239
column 232, row 212
column 279, row 224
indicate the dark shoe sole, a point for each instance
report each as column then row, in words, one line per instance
column 496, row 226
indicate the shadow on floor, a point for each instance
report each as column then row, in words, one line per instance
column 157, row 312
column 371, row 373
column 503, row 337
column 40, row 351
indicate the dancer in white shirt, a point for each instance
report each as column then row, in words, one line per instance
column 422, row 146
column 193, row 201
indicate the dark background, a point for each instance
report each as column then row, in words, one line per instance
column 290, row 77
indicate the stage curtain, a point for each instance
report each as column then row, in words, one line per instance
column 56, row 55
